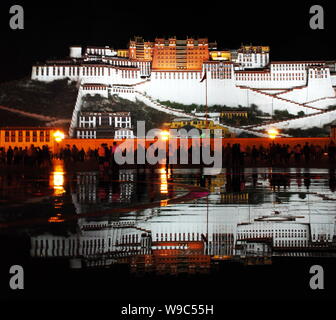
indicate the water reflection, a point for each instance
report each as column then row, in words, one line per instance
column 250, row 215
column 57, row 181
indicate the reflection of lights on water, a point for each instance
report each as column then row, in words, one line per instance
column 58, row 179
column 164, row 203
column 163, row 181
column 222, row 257
column 55, row 219
column 57, row 183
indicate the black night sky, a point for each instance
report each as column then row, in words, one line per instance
column 51, row 26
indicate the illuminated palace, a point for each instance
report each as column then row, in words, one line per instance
column 172, row 69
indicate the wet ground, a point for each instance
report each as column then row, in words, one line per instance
column 164, row 234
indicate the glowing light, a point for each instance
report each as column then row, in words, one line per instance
column 58, row 136
column 272, row 133
column 165, row 135
column 55, row 220
column 164, row 203
column 163, row 181
column 57, row 181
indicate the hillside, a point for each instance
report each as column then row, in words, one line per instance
column 54, row 99
column 57, row 99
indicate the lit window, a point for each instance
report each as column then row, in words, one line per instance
column 13, row 136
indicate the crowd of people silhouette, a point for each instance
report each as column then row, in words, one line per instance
column 231, row 155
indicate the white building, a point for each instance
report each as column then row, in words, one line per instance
column 252, row 57
column 104, row 125
column 250, row 78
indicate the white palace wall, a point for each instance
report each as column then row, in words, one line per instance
column 186, row 88
column 87, row 74
column 269, row 80
column 269, row 104
column 319, row 86
column 299, row 82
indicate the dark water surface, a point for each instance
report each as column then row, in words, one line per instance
column 163, row 235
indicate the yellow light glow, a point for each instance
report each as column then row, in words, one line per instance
column 272, row 133
column 164, row 203
column 165, row 135
column 58, row 179
column 55, row 220
column 58, row 136
column 163, row 181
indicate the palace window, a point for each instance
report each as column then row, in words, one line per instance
column 13, row 136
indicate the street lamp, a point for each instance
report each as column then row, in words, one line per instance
column 165, row 135
column 58, row 136
column 272, row 133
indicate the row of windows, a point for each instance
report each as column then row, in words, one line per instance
column 90, row 124
column 245, row 58
column 174, row 48
column 123, row 90
column 216, row 67
column 27, row 136
column 95, row 119
column 290, row 243
column 282, row 230
column 121, row 134
column 129, row 74
column 87, row 134
column 97, row 51
column 319, row 237
column 72, row 243
column 94, row 87
column 177, row 236
column 117, row 62
column 162, row 55
column 291, row 67
column 318, row 73
column 220, row 75
column 173, row 75
column 87, row 71
column 270, row 77
column 173, row 60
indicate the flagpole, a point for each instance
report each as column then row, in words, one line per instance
column 206, row 100
column 205, row 77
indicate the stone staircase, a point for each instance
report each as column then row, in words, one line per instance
column 285, row 123
column 284, row 101
column 314, row 112
column 149, row 101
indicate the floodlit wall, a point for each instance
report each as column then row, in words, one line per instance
column 315, row 120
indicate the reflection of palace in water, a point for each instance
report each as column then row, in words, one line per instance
column 188, row 237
